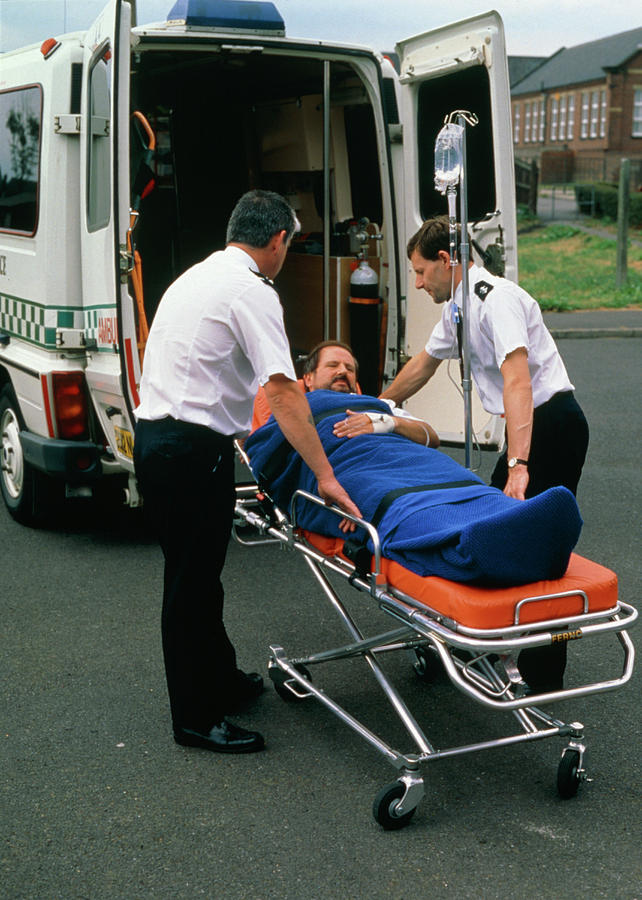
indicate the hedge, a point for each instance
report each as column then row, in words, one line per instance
column 600, row 200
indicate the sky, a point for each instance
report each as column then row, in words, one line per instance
column 533, row 27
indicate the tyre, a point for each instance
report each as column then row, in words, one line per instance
column 568, row 774
column 384, row 804
column 25, row 491
column 281, row 688
column 428, row 666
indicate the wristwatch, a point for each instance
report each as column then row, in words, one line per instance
column 516, row 461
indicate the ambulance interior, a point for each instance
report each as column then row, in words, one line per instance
column 227, row 121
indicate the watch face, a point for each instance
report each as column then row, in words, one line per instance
column 512, row 462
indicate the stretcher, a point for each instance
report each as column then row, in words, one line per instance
column 472, row 633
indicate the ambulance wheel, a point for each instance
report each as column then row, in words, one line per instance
column 568, row 774
column 283, row 691
column 23, row 488
column 383, row 808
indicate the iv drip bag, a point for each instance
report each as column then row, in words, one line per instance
column 448, row 157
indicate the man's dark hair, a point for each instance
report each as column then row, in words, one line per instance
column 311, row 362
column 257, row 217
column 433, row 236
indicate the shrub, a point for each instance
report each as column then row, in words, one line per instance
column 601, row 201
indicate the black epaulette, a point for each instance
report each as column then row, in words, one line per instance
column 263, row 278
column 483, row 289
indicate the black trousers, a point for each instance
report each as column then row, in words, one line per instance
column 558, row 450
column 186, row 476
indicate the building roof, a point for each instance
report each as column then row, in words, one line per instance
column 583, row 63
column 520, row 66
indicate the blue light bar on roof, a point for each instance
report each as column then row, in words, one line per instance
column 250, row 16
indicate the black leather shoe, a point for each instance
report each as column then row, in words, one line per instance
column 246, row 686
column 224, row 737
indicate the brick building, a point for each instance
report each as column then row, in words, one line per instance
column 579, row 112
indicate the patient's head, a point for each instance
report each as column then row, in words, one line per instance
column 330, row 366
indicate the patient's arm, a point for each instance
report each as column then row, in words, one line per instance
column 414, row 429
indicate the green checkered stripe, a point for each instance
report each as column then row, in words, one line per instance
column 34, row 322
column 37, row 324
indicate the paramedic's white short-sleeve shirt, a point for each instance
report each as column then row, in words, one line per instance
column 217, row 334
column 502, row 318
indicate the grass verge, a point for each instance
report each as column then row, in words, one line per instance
column 565, row 268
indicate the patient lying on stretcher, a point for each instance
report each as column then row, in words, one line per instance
column 433, row 516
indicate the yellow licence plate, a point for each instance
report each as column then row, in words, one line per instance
column 124, row 442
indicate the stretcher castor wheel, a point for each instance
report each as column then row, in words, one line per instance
column 287, row 688
column 569, row 774
column 383, row 808
column 428, row 666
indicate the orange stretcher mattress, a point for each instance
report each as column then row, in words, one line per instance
column 489, row 608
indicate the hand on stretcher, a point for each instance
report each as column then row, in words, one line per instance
column 333, row 494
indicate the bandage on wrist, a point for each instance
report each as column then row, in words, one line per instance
column 381, row 422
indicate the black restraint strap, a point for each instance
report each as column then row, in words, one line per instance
column 391, row 496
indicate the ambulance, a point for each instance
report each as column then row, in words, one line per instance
column 122, row 153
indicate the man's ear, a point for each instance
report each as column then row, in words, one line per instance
column 277, row 239
column 444, row 256
column 307, row 380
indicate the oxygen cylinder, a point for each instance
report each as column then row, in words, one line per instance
column 364, row 306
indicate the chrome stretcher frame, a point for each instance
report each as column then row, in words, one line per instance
column 479, row 662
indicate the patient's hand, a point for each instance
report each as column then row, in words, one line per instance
column 354, row 425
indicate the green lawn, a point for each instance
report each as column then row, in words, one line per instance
column 565, row 268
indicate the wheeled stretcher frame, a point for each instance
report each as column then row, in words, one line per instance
column 479, row 662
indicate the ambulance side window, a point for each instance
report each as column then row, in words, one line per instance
column 20, row 129
column 99, row 143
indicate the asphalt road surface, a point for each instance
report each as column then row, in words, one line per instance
column 98, row 802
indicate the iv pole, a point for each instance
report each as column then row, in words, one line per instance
column 450, row 168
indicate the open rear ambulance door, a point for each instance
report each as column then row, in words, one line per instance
column 113, row 369
column 457, row 67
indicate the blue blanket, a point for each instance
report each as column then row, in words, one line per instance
column 433, row 516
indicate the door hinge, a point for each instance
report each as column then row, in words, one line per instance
column 71, row 339
column 67, row 124
column 126, row 263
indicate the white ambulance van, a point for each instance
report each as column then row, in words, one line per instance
column 122, row 153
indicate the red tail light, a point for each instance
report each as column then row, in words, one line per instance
column 70, row 405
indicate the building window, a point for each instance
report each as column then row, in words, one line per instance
column 535, row 120
column 637, row 113
column 595, row 112
column 527, row 123
column 542, row 120
column 584, row 128
column 554, row 116
column 570, row 122
column 602, row 128
column 20, row 127
column 516, row 117
column 562, row 127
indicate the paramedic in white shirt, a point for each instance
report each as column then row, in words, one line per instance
column 517, row 370
column 217, row 334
